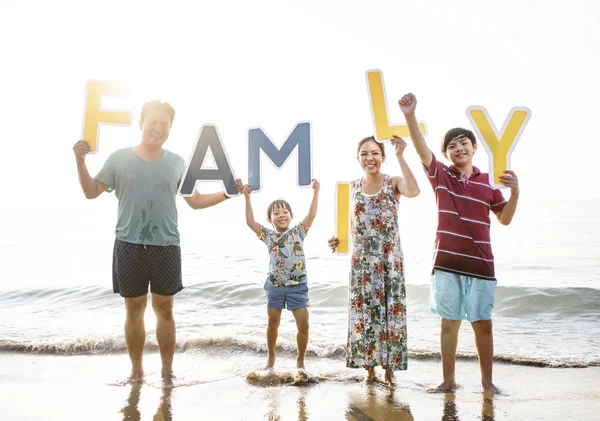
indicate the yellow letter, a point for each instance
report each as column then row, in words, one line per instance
column 379, row 110
column 342, row 216
column 93, row 115
column 499, row 151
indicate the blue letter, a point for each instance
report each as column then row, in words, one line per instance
column 258, row 140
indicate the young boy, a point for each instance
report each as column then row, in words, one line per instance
column 463, row 280
column 286, row 282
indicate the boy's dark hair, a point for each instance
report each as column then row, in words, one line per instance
column 157, row 105
column 455, row 133
column 365, row 140
column 279, row 203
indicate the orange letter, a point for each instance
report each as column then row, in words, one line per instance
column 379, row 110
column 94, row 115
column 499, row 151
column 342, row 216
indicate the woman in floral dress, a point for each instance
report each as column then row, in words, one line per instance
column 377, row 293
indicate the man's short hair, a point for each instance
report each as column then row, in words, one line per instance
column 157, row 105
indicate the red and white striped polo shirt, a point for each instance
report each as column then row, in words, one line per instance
column 462, row 241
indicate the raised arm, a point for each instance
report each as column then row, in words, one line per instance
column 407, row 184
column 408, row 105
column 254, row 226
column 91, row 188
column 510, row 180
column 312, row 212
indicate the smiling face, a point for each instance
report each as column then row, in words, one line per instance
column 370, row 156
column 155, row 127
column 460, row 151
column 459, row 145
column 280, row 218
column 280, row 215
column 155, row 122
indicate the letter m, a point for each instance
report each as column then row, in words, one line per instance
column 258, row 140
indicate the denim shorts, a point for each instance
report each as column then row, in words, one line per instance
column 294, row 297
column 460, row 297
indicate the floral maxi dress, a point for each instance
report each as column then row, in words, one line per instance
column 377, row 293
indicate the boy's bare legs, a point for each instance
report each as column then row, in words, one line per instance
column 135, row 334
column 448, row 343
column 301, row 316
column 274, row 318
column 165, row 332
column 484, row 341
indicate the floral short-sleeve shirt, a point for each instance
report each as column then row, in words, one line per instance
column 287, row 264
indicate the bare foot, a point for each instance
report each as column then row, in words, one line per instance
column 490, row 388
column 167, row 377
column 270, row 363
column 390, row 378
column 300, row 364
column 137, row 376
column 444, row 387
column 371, row 376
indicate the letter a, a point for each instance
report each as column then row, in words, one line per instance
column 208, row 138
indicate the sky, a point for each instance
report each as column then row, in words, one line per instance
column 275, row 63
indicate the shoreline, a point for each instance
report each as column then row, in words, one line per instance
column 216, row 385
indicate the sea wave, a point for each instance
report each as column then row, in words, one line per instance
column 523, row 302
column 115, row 345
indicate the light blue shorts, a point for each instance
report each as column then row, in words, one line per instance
column 460, row 297
column 295, row 296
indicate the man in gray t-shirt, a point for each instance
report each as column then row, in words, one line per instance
column 146, row 252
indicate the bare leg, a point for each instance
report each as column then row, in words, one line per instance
column 484, row 341
column 165, row 332
column 301, row 316
column 371, row 375
column 448, row 343
column 274, row 319
column 135, row 334
column 389, row 377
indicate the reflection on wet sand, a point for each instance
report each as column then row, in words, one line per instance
column 131, row 411
column 355, row 402
column 487, row 407
column 279, row 406
column 164, row 412
column 368, row 406
column 451, row 413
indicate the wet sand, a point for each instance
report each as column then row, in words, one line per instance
column 225, row 385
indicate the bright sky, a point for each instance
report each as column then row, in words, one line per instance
column 274, row 63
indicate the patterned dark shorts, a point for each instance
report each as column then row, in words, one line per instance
column 135, row 266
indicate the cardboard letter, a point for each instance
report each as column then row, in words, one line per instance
column 499, row 146
column 208, row 138
column 379, row 110
column 258, row 140
column 94, row 115
column 342, row 216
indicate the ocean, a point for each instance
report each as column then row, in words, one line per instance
column 56, row 290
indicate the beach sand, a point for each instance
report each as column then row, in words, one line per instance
column 224, row 385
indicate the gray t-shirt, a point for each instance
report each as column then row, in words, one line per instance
column 146, row 191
